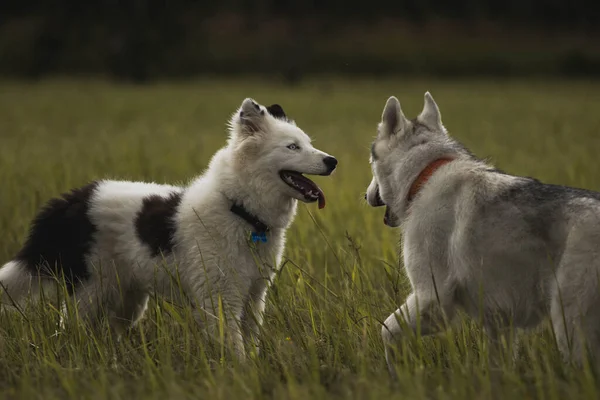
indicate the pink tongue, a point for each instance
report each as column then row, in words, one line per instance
column 321, row 200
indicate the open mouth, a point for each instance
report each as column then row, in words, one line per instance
column 378, row 201
column 307, row 188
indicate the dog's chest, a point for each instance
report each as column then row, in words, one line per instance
column 256, row 257
column 428, row 225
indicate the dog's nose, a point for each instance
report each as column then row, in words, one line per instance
column 330, row 162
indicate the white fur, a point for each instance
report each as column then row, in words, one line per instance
column 509, row 249
column 213, row 261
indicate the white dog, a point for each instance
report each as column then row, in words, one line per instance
column 508, row 248
column 221, row 238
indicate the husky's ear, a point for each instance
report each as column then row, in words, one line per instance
column 250, row 117
column 430, row 115
column 392, row 119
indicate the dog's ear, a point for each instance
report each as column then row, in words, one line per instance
column 392, row 119
column 250, row 117
column 430, row 115
column 277, row 112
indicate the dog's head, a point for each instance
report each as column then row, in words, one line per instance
column 270, row 149
column 400, row 152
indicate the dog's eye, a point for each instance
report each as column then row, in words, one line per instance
column 293, row 146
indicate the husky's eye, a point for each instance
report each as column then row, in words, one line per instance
column 293, row 146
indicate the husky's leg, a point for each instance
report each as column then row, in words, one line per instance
column 501, row 332
column 574, row 304
column 517, row 341
column 563, row 330
column 420, row 315
column 577, row 330
column 575, row 295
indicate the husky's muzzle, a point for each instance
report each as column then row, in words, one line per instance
column 376, row 202
column 389, row 218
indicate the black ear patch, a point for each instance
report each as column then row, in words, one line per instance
column 276, row 111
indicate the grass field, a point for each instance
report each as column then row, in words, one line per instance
column 321, row 334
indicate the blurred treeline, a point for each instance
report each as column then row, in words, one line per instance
column 140, row 40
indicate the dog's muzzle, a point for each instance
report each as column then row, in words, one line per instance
column 331, row 163
column 377, row 201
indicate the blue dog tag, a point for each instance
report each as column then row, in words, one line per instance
column 259, row 237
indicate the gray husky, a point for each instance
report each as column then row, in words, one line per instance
column 508, row 248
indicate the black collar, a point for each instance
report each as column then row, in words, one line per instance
column 240, row 211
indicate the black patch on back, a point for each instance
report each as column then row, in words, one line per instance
column 276, row 111
column 155, row 225
column 542, row 205
column 533, row 191
column 496, row 171
column 60, row 237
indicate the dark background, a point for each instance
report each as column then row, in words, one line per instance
column 140, row 41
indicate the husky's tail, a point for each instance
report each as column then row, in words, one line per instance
column 16, row 284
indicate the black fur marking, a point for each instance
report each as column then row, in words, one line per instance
column 496, row 171
column 542, row 206
column 155, row 225
column 277, row 112
column 532, row 191
column 417, row 125
column 60, row 237
column 463, row 149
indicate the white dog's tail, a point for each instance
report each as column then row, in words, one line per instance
column 16, row 284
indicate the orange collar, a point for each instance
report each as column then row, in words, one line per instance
column 425, row 175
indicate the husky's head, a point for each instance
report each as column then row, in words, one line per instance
column 402, row 149
column 272, row 153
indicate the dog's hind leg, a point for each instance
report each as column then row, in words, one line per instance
column 575, row 294
column 575, row 300
column 18, row 285
column 86, row 304
column 576, row 328
column 418, row 315
column 127, row 310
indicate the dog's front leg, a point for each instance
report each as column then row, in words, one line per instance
column 252, row 319
column 502, row 335
column 418, row 315
column 223, row 326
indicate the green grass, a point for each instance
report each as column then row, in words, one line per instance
column 321, row 337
